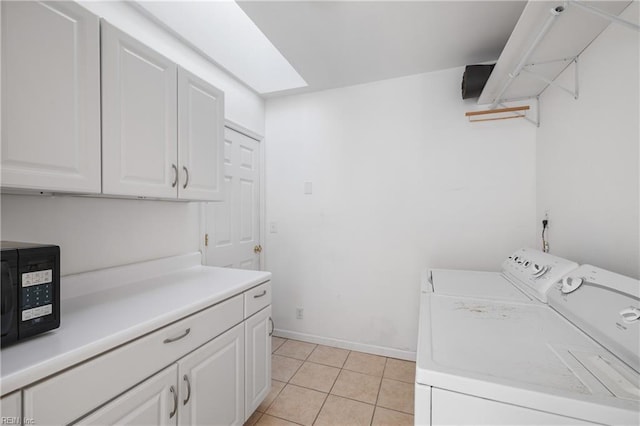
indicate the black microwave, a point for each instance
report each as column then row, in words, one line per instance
column 30, row 293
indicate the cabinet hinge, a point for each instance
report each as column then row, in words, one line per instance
column 206, row 240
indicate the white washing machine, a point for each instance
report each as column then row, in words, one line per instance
column 499, row 361
column 526, row 275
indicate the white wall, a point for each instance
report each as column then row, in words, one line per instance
column 401, row 182
column 588, row 156
column 97, row 233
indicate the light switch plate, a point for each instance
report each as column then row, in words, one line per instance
column 307, row 188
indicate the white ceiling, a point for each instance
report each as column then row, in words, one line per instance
column 341, row 43
column 337, row 43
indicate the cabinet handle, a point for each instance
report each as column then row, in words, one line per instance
column 186, row 182
column 264, row 292
column 183, row 335
column 175, row 402
column 175, row 179
column 273, row 326
column 186, row 379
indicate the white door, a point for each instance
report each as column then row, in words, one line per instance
column 50, row 97
column 233, row 225
column 139, row 118
column 212, row 382
column 257, row 360
column 200, row 138
column 153, row 402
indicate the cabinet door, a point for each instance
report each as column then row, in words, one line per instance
column 200, row 138
column 152, row 402
column 11, row 407
column 50, row 97
column 139, row 116
column 257, row 359
column 212, row 382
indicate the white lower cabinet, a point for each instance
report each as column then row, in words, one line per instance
column 257, row 359
column 152, row 402
column 212, row 382
column 11, row 407
column 202, row 379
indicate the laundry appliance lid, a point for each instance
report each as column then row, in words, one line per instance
column 492, row 285
column 520, row 353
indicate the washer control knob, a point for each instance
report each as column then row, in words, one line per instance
column 630, row 314
column 570, row 284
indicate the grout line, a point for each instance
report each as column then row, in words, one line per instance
column 381, row 379
column 282, row 418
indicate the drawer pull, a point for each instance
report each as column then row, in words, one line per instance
column 175, row 402
column 183, row 335
column 264, row 292
column 186, row 379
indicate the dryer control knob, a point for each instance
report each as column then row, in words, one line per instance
column 630, row 314
column 570, row 284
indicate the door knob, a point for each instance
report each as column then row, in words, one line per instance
column 257, row 249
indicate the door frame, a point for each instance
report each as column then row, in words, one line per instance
column 262, row 208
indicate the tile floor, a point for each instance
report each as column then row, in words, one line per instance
column 321, row 385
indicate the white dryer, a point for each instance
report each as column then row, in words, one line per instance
column 574, row 361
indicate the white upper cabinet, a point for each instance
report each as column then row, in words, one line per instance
column 50, row 97
column 162, row 127
column 139, row 118
column 200, row 138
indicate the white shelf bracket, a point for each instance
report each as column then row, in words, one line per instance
column 605, row 15
column 535, row 122
column 550, row 82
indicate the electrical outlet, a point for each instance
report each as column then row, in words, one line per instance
column 299, row 313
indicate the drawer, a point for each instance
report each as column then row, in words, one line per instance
column 67, row 396
column 257, row 298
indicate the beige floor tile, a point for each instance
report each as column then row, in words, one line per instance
column 339, row 411
column 297, row 404
column 365, row 363
column 334, row 357
column 397, row 369
column 384, row 417
column 283, row 368
column 361, row 387
column 267, row 420
column 276, row 387
column 296, row 349
column 253, row 419
column 276, row 342
column 396, row 395
column 315, row 376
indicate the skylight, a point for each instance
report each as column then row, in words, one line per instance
column 223, row 32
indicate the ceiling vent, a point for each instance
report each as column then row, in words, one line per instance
column 474, row 79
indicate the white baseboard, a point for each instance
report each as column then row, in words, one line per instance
column 353, row 346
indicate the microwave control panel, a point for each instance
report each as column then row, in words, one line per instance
column 37, row 292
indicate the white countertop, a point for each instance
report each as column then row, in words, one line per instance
column 104, row 309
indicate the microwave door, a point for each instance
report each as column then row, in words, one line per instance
column 8, row 300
